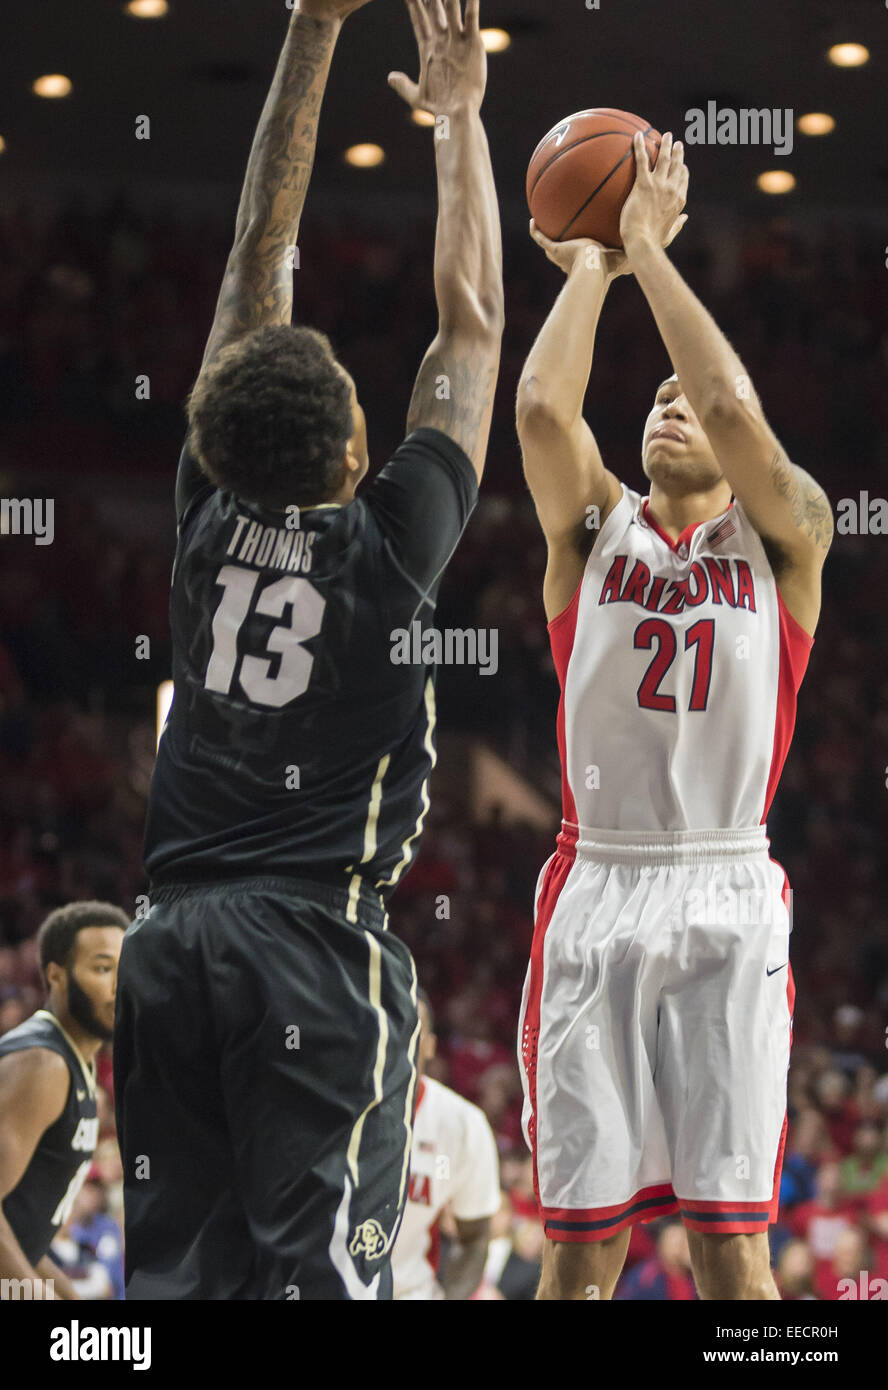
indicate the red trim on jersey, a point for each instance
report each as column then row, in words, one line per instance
column 420, row 1092
column 687, row 534
column 795, row 651
column 558, row 869
column 583, row 1224
column 790, row 1000
column 560, row 617
column 727, row 1228
column 704, row 1207
column 562, row 634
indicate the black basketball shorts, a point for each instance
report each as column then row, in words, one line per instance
column 264, row 1081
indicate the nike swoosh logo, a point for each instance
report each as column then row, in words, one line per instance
column 776, row 968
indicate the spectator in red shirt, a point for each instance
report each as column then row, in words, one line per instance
column 842, row 1277
column 875, row 1221
column 795, row 1272
column 839, row 1112
column 822, row 1221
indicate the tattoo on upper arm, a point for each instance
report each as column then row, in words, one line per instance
column 258, row 285
column 807, row 501
column 454, row 393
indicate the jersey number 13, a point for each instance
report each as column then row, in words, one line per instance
column 294, row 670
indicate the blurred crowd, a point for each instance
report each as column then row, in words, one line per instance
column 91, row 300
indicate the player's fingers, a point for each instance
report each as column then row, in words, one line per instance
column 454, row 16
column 473, row 17
column 677, row 162
column 407, row 90
column 642, row 162
column 439, row 15
column 420, row 19
column 664, row 160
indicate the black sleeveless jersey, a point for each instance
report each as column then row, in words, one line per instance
column 43, row 1199
column 299, row 741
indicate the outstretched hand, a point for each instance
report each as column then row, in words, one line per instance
column 654, row 207
column 564, row 254
column 453, row 60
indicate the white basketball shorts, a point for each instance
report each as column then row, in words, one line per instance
column 655, row 1032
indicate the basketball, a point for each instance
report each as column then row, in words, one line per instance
column 582, row 173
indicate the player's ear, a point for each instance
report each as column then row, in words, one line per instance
column 55, row 975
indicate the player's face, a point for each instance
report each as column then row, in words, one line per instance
column 92, row 979
column 676, row 452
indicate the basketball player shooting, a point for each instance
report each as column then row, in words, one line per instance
column 267, row 1023
column 656, row 1018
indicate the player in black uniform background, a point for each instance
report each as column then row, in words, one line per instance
column 48, row 1123
column 266, row 1022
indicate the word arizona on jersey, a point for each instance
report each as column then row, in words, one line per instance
column 679, row 667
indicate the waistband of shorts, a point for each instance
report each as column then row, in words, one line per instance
column 356, row 899
column 661, row 848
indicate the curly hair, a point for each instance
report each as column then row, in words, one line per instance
column 271, row 418
column 57, row 934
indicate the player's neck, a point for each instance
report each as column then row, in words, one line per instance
column 674, row 513
column 87, row 1044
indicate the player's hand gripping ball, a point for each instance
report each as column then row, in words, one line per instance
column 582, row 173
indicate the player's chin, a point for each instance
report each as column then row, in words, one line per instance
column 674, row 468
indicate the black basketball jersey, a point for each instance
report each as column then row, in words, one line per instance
column 299, row 743
column 43, row 1199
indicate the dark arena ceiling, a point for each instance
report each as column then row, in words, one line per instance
column 201, row 74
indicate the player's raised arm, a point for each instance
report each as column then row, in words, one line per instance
column 257, row 290
column 562, row 464
column 456, row 384
column 784, row 504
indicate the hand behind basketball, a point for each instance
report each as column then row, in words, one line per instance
column 453, row 60
column 564, row 254
column 653, row 210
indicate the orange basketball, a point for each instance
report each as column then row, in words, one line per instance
column 582, row 173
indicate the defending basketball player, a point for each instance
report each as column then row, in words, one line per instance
column 656, row 1019
column 267, row 1022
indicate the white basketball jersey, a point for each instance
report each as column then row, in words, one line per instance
column 453, row 1160
column 679, row 667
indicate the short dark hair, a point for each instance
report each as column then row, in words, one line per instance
column 57, row 935
column 270, row 419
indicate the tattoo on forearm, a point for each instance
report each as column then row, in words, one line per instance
column 807, row 501
column 454, row 394
column 258, row 287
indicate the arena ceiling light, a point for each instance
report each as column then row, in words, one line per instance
column 848, row 55
column 365, row 156
column 496, row 40
column 147, row 9
column 816, row 123
column 52, row 85
column 424, row 118
column 776, row 181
